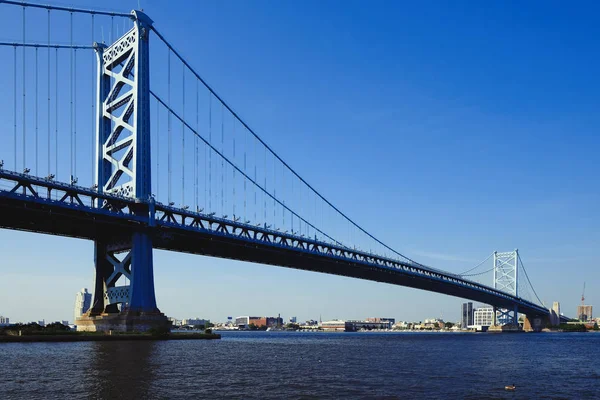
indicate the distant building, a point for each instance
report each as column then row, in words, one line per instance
column 483, row 316
column 4, row 321
column 293, row 320
column 584, row 313
column 195, row 322
column 555, row 314
column 467, row 315
column 274, row 322
column 390, row 321
column 353, row 326
column 83, row 302
column 401, row 325
column 433, row 323
column 336, row 325
column 242, row 322
column 245, row 322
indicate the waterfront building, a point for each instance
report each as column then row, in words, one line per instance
column 293, row 320
column 483, row 316
column 83, row 302
column 584, row 313
column 274, row 322
column 4, row 321
column 195, row 322
column 268, row 322
column 335, row 325
column 467, row 315
column 433, row 323
column 353, row 326
column 400, row 325
column 378, row 320
column 242, row 322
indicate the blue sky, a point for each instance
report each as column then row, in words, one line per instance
column 449, row 130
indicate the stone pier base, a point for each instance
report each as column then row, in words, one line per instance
column 126, row 321
column 508, row 328
column 536, row 323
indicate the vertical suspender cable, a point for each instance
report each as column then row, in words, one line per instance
column 255, row 180
column 24, row 99
column 48, row 121
column 92, row 135
column 222, row 160
column 234, row 198
column 245, row 173
column 283, row 195
column 205, row 162
column 56, row 111
column 183, row 144
column 71, row 95
column 274, row 192
column 293, row 198
column 36, row 113
column 210, row 152
column 15, row 105
column 75, row 114
column 264, row 196
column 157, row 144
column 169, row 128
column 196, row 160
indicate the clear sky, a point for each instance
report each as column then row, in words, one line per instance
column 448, row 129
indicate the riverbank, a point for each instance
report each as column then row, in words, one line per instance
column 100, row 337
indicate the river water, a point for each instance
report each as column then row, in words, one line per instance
column 293, row 365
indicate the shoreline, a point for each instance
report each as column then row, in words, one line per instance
column 105, row 338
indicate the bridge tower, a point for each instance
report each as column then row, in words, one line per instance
column 506, row 266
column 123, row 168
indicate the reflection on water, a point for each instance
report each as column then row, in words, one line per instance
column 307, row 365
column 121, row 370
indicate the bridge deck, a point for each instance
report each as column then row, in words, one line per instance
column 43, row 206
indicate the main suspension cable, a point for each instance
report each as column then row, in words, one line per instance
column 211, row 90
column 527, row 276
column 229, row 162
column 475, row 267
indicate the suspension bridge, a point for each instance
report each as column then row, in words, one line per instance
column 114, row 137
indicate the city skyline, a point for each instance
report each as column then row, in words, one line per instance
column 467, row 137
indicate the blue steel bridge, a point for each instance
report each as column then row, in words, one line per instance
column 110, row 135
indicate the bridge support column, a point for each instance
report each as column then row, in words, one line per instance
column 506, row 322
column 124, row 297
column 536, row 323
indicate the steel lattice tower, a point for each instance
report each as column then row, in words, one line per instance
column 505, row 279
column 123, row 168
